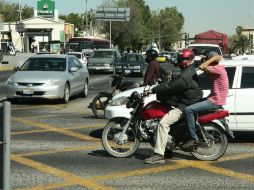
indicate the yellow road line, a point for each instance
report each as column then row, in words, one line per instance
column 48, row 186
column 139, row 172
column 69, row 149
column 67, row 176
column 58, row 129
column 217, row 170
column 235, row 157
column 52, row 128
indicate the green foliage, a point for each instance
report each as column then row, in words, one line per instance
column 10, row 12
column 77, row 19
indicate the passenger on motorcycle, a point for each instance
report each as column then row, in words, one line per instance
column 219, row 90
column 152, row 73
column 178, row 93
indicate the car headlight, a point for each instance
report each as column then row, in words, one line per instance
column 53, row 83
column 10, row 82
column 121, row 101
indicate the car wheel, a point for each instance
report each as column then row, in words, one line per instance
column 85, row 90
column 66, row 95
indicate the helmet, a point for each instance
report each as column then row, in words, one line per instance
column 185, row 58
column 151, row 54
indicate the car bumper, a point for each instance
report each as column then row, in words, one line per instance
column 98, row 68
column 52, row 92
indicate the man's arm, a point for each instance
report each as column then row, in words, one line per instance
column 204, row 66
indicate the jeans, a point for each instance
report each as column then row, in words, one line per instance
column 194, row 109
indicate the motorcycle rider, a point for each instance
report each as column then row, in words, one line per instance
column 178, row 93
column 217, row 97
column 153, row 70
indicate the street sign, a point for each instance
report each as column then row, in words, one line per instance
column 113, row 14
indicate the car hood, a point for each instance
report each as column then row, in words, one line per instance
column 100, row 60
column 36, row 76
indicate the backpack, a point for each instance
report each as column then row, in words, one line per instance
column 164, row 74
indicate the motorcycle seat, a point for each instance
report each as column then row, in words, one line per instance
column 212, row 115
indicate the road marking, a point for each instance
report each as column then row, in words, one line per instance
column 67, row 176
column 217, row 170
column 55, row 129
column 139, row 172
column 96, row 146
column 235, row 157
column 58, row 129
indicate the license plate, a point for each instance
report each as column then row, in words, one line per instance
column 28, row 91
column 127, row 71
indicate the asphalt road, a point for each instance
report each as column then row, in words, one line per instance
column 57, row 146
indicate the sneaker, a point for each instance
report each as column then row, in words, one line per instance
column 189, row 144
column 155, row 159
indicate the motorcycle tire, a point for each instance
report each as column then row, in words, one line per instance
column 111, row 133
column 217, row 145
column 99, row 104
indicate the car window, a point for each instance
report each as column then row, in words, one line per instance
column 247, row 77
column 205, row 82
column 44, row 64
column 74, row 62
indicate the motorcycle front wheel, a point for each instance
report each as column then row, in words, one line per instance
column 110, row 138
column 215, row 146
column 99, row 104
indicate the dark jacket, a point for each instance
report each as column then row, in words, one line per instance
column 181, row 91
column 152, row 73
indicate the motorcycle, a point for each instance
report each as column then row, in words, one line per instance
column 121, row 137
column 100, row 102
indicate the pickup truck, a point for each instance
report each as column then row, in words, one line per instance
column 202, row 50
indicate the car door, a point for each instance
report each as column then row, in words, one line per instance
column 245, row 100
column 74, row 77
column 230, row 104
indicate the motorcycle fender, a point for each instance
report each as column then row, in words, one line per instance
column 224, row 125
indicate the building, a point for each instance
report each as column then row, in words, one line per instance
column 43, row 32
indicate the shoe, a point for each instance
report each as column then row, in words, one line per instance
column 189, row 144
column 155, row 159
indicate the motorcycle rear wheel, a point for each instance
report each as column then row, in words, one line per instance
column 112, row 131
column 217, row 145
column 99, row 104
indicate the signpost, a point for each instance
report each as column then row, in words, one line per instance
column 112, row 14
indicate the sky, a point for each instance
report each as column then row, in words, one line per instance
column 200, row 15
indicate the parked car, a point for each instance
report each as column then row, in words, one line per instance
column 240, row 100
column 81, row 56
column 131, row 63
column 164, row 56
column 50, row 77
column 103, row 60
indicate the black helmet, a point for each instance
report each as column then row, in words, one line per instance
column 151, row 54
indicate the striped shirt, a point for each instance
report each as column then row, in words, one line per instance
column 219, row 81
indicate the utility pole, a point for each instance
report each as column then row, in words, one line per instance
column 86, row 19
column 20, row 11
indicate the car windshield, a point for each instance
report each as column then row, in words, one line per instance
column 130, row 58
column 102, row 54
column 204, row 50
column 44, row 64
column 76, row 54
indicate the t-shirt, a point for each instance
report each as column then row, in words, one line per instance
column 219, row 84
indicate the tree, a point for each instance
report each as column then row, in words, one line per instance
column 10, row 12
column 76, row 19
column 239, row 42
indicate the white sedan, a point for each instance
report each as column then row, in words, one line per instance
column 240, row 101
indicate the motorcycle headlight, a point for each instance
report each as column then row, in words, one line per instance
column 53, row 83
column 121, row 101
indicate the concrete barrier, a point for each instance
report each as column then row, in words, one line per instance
column 11, row 61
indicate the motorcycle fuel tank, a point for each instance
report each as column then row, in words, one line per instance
column 154, row 110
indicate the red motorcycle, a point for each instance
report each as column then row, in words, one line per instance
column 121, row 137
